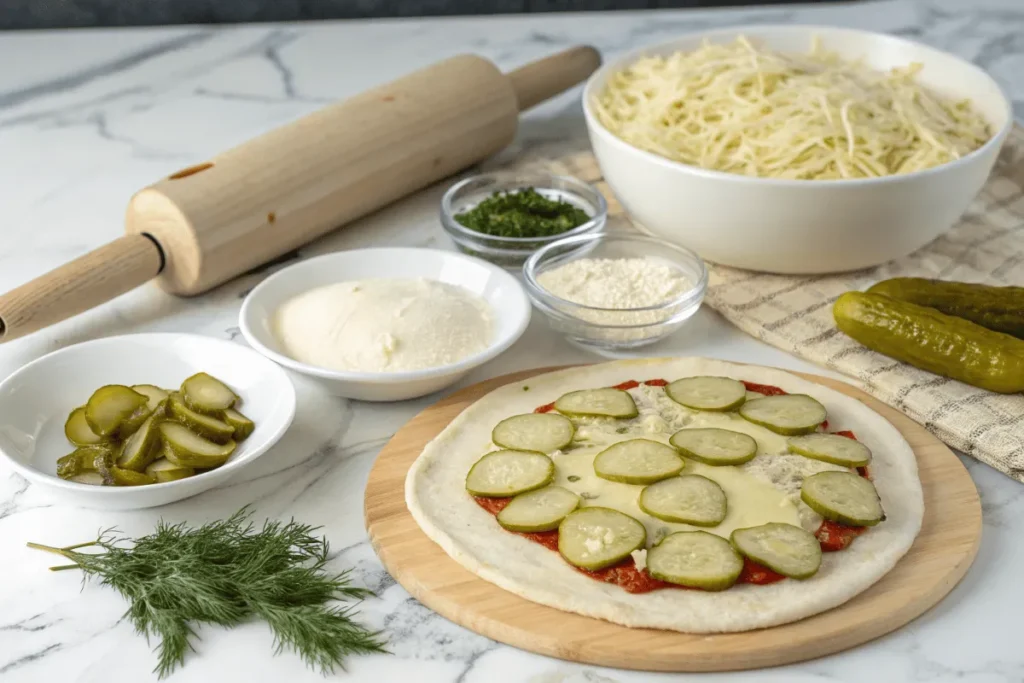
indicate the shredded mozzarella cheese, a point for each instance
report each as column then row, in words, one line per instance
column 743, row 109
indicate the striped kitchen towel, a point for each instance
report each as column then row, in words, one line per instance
column 795, row 313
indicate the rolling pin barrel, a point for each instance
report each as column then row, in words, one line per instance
column 218, row 219
column 289, row 186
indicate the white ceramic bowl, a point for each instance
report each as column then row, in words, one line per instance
column 498, row 288
column 35, row 402
column 801, row 226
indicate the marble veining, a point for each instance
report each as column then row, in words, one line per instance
column 86, row 118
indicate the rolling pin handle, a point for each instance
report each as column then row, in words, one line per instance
column 545, row 78
column 88, row 281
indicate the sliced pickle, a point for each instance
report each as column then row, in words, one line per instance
column 638, row 461
column 206, row 394
column 166, row 452
column 69, row 466
column 695, row 559
column 539, row 510
column 204, row 425
column 786, row 549
column 91, row 478
column 242, row 425
column 597, row 403
column 708, row 393
column 688, row 499
column 595, row 537
column 843, row 497
column 831, row 448
column 788, row 415
column 714, row 446
column 541, row 432
column 78, row 430
column 104, row 468
column 142, row 447
column 187, row 449
column 113, row 410
column 164, row 470
column 84, row 459
column 122, row 477
column 508, row 473
column 134, row 421
column 98, row 458
column 157, row 398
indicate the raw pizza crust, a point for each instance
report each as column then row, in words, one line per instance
column 436, row 496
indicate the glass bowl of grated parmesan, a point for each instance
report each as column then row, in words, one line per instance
column 615, row 291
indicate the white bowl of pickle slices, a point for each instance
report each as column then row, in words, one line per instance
column 141, row 420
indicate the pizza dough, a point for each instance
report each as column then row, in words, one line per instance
column 437, row 499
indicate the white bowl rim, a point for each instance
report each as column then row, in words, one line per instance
column 754, row 29
column 496, row 347
column 32, row 473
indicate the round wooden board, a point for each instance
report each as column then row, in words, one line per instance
column 939, row 558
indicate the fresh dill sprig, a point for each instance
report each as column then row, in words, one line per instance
column 227, row 572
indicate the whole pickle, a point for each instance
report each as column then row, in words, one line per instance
column 931, row 340
column 997, row 308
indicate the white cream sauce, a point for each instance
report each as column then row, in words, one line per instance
column 766, row 489
column 383, row 325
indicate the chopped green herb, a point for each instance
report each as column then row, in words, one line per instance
column 526, row 213
column 227, row 573
column 573, row 477
column 588, row 496
column 622, row 430
column 526, row 388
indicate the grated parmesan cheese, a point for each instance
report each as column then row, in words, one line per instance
column 616, row 283
column 619, row 286
column 640, row 558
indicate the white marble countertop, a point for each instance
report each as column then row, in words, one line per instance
column 88, row 117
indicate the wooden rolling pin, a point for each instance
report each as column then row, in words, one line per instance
column 210, row 222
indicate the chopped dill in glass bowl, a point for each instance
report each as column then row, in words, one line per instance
column 525, row 213
column 504, row 217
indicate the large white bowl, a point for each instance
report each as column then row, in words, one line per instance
column 35, row 402
column 504, row 294
column 803, row 226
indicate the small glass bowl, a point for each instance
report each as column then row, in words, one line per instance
column 613, row 328
column 512, row 252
